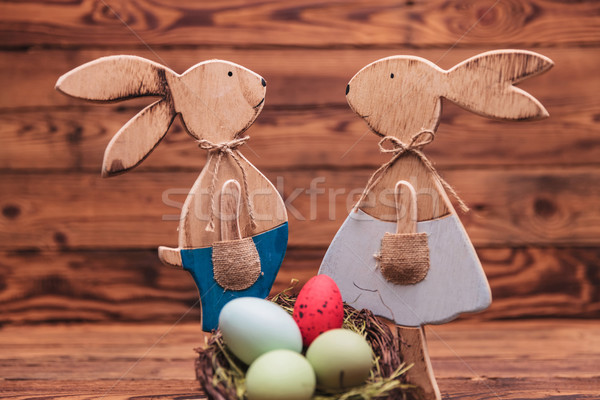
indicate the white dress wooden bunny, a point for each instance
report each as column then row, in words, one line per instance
column 409, row 258
column 231, row 250
column 400, row 99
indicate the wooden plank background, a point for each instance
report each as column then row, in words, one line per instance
column 76, row 247
column 518, row 359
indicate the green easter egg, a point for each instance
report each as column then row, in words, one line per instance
column 280, row 374
column 341, row 359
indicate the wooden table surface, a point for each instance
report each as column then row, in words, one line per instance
column 78, row 248
column 526, row 359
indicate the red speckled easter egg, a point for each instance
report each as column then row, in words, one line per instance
column 318, row 308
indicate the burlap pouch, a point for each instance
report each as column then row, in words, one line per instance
column 404, row 257
column 236, row 264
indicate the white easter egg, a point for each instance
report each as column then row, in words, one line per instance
column 253, row 326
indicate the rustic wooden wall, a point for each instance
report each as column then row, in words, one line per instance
column 76, row 247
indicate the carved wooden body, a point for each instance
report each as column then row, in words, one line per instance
column 217, row 101
column 268, row 206
column 400, row 97
column 410, row 102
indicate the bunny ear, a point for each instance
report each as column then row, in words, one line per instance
column 484, row 84
column 115, row 78
column 137, row 138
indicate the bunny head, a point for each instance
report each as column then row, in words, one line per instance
column 217, row 100
column 400, row 96
column 396, row 96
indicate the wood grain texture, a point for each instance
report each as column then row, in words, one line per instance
column 307, row 52
column 413, row 348
column 406, row 207
column 175, row 389
column 433, row 201
column 549, row 206
column 216, row 100
column 116, row 78
column 400, row 99
column 305, row 23
column 198, row 212
column 226, row 257
column 552, row 359
column 337, row 139
column 400, row 95
column 406, row 112
column 32, row 137
column 230, row 200
column 132, row 285
column 294, row 76
column 455, row 282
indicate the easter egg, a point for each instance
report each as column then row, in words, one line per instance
column 251, row 327
column 280, row 374
column 341, row 359
column 318, row 308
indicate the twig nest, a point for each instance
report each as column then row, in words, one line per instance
column 223, row 376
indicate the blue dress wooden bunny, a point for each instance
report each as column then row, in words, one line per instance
column 233, row 230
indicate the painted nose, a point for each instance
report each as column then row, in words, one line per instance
column 264, row 83
column 347, row 89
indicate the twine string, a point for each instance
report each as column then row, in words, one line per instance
column 399, row 148
column 229, row 148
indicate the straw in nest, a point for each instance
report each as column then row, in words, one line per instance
column 222, row 375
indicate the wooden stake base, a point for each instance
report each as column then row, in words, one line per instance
column 413, row 349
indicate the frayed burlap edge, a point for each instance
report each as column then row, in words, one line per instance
column 404, row 258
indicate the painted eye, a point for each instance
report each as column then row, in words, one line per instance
column 392, row 76
column 230, row 73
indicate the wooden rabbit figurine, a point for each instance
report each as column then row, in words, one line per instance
column 232, row 236
column 399, row 98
